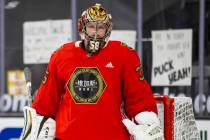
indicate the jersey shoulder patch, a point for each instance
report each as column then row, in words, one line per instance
column 139, row 70
column 123, row 44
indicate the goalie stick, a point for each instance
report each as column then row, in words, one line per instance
column 36, row 127
column 27, row 73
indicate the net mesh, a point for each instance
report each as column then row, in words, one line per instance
column 177, row 118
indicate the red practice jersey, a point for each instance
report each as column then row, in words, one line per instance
column 88, row 96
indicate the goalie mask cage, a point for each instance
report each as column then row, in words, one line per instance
column 177, row 118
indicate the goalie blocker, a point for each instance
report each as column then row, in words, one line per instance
column 37, row 127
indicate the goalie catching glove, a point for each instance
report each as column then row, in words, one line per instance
column 148, row 127
column 37, row 127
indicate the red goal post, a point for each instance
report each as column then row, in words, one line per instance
column 177, row 118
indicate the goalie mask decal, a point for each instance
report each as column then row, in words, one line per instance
column 86, row 85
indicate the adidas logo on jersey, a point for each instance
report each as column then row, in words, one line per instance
column 109, row 65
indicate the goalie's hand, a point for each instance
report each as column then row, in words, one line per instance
column 144, row 132
column 37, row 127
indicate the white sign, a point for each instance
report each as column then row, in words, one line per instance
column 172, row 57
column 126, row 36
column 204, row 127
column 41, row 38
column 11, row 122
column 11, row 128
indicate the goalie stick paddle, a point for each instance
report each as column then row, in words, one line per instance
column 27, row 73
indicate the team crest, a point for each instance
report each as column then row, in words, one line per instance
column 86, row 85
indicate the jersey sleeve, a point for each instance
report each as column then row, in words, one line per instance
column 49, row 93
column 137, row 94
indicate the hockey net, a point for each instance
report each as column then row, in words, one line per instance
column 177, row 118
